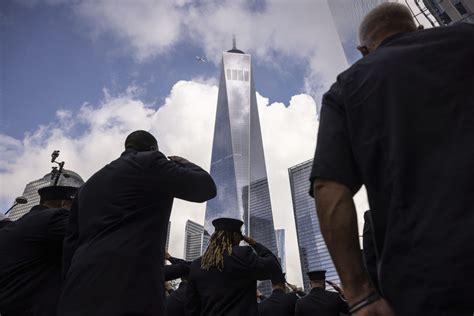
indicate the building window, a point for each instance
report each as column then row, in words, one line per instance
column 445, row 18
column 234, row 74
column 229, row 74
column 246, row 75
column 241, row 75
column 462, row 10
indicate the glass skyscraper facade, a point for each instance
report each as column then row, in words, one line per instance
column 238, row 161
column 314, row 254
column 69, row 178
column 448, row 12
column 280, row 239
column 347, row 15
column 192, row 240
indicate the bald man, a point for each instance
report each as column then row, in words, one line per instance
column 400, row 121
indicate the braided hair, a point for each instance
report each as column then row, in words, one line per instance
column 221, row 242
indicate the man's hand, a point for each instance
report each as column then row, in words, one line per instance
column 249, row 240
column 179, row 160
column 377, row 308
column 292, row 287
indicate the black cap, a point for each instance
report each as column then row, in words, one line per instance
column 228, row 224
column 278, row 279
column 57, row 193
column 141, row 141
column 317, row 275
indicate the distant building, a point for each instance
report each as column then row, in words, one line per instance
column 68, row 177
column 347, row 15
column 313, row 251
column 192, row 240
column 238, row 161
column 448, row 12
column 280, row 238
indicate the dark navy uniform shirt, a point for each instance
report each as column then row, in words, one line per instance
column 401, row 122
column 320, row 302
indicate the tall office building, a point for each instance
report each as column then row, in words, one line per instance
column 448, row 12
column 192, row 240
column 347, row 15
column 280, row 238
column 238, row 161
column 313, row 251
column 31, row 191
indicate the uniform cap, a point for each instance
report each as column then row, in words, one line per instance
column 228, row 224
column 57, row 193
column 278, row 279
column 317, row 275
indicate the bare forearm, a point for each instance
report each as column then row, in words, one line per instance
column 338, row 222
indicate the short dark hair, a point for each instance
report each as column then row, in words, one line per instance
column 388, row 17
column 141, row 141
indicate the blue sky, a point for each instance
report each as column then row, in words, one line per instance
column 80, row 75
column 51, row 62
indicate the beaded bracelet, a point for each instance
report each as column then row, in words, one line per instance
column 372, row 297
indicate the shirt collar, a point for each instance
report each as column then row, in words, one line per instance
column 392, row 38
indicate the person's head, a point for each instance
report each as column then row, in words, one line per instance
column 279, row 282
column 385, row 20
column 227, row 235
column 317, row 278
column 141, row 141
column 57, row 196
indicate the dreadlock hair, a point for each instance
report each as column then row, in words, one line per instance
column 220, row 243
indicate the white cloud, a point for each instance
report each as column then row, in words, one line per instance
column 183, row 126
column 302, row 30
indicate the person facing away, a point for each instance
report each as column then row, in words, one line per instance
column 31, row 254
column 224, row 280
column 176, row 300
column 319, row 301
column 114, row 249
column 280, row 302
column 400, row 121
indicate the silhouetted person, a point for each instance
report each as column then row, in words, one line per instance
column 280, row 302
column 117, row 231
column 31, row 255
column 400, row 121
column 176, row 300
column 319, row 301
column 224, row 280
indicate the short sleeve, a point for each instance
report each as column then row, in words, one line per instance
column 334, row 159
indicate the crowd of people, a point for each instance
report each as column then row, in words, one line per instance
column 399, row 121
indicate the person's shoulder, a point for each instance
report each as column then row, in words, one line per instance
column 242, row 252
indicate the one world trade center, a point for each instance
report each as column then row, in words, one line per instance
column 238, row 160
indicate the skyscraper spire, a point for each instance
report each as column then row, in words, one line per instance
column 234, row 46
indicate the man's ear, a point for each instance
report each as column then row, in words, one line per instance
column 363, row 50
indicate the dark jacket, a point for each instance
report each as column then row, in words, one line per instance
column 176, row 301
column 114, row 249
column 178, row 268
column 30, row 262
column 233, row 291
column 320, row 302
column 278, row 304
column 400, row 121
